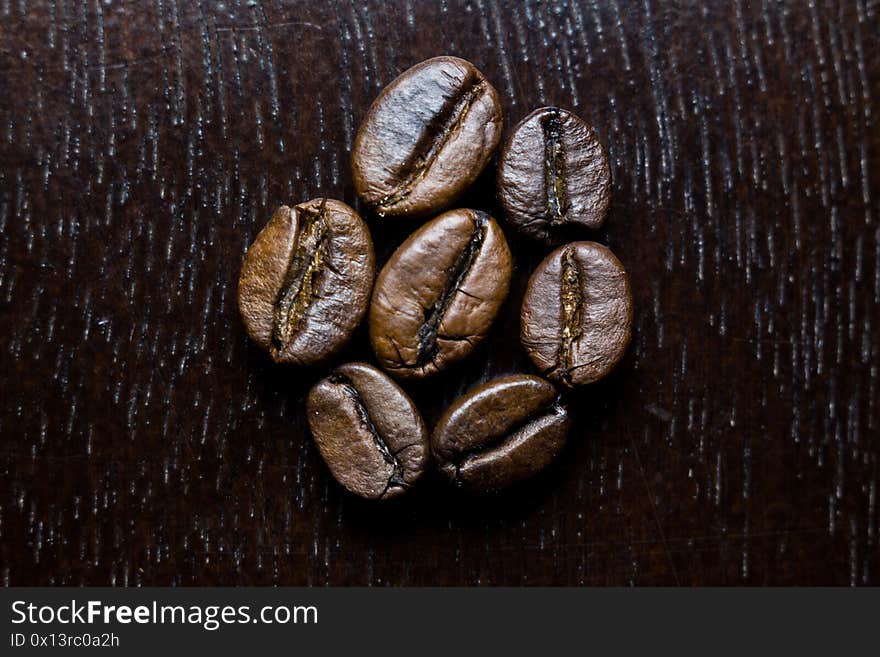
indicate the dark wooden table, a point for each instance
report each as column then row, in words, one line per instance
column 146, row 441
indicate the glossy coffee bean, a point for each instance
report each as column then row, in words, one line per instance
column 500, row 433
column 576, row 316
column 368, row 431
column 436, row 297
column 426, row 138
column 306, row 280
column 553, row 172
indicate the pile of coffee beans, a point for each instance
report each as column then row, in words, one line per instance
column 309, row 279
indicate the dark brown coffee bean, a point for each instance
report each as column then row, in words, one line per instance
column 500, row 433
column 426, row 138
column 437, row 295
column 577, row 312
column 306, row 280
column 553, row 172
column 368, row 431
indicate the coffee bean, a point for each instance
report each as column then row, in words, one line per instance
column 553, row 172
column 576, row 316
column 500, row 433
column 437, row 295
column 368, row 431
column 426, row 138
column 306, row 280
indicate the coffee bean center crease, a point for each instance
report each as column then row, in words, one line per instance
column 428, row 331
column 572, row 312
column 300, row 281
column 554, row 161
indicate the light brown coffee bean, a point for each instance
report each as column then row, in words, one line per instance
column 500, row 433
column 368, row 431
column 553, row 172
column 576, row 317
column 426, row 138
column 306, row 280
column 437, row 296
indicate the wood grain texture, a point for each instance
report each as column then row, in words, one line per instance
column 144, row 440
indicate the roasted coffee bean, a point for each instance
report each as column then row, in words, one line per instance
column 306, row 280
column 577, row 312
column 500, row 433
column 437, row 296
column 368, row 431
column 553, row 172
column 426, row 138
